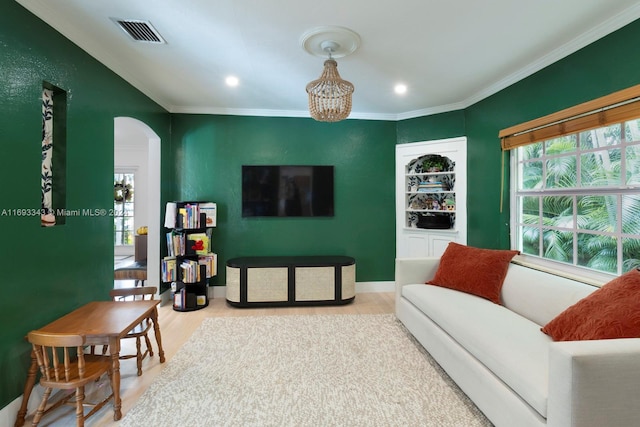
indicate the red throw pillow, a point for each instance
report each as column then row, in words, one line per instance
column 472, row 270
column 613, row 311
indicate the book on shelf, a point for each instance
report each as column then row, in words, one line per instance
column 189, row 216
column 210, row 261
column 175, row 243
column 430, row 187
column 180, row 299
column 170, row 215
column 210, row 213
column 199, row 243
column 190, row 271
column 168, row 266
column 170, row 251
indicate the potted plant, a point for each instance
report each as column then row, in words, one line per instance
column 434, row 163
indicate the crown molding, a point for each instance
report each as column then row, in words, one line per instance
column 592, row 35
column 273, row 113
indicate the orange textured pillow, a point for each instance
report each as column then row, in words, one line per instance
column 472, row 270
column 613, row 311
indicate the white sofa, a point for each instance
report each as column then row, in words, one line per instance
column 511, row 370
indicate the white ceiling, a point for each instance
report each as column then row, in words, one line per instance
column 450, row 54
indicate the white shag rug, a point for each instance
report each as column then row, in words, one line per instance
column 303, row 370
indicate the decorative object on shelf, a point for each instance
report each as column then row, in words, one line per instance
column 450, row 204
column 435, row 163
column 330, row 97
column 439, row 221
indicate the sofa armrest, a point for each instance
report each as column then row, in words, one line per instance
column 414, row 270
column 594, row 383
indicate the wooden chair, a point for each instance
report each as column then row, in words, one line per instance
column 61, row 369
column 142, row 329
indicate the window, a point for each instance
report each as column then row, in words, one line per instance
column 576, row 198
column 123, row 208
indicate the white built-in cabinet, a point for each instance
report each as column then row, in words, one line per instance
column 431, row 196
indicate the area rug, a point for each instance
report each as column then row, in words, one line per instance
column 303, row 370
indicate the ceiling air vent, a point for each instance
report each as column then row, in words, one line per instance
column 140, row 31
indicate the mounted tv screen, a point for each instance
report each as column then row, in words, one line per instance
column 287, row 191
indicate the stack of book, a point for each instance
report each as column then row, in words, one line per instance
column 191, row 271
column 430, row 187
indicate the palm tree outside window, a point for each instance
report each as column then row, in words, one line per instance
column 576, row 199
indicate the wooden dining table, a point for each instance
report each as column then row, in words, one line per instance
column 102, row 323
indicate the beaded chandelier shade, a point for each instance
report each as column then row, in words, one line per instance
column 330, row 96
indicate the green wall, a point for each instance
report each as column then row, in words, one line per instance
column 212, row 149
column 428, row 128
column 47, row 272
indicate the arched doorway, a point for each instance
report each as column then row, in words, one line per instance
column 137, row 147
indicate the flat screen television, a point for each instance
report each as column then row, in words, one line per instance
column 287, row 191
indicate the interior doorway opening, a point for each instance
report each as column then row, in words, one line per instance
column 137, row 148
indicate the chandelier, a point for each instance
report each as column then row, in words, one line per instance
column 330, row 96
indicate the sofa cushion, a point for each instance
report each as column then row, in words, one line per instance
column 509, row 345
column 612, row 311
column 472, row 270
column 540, row 296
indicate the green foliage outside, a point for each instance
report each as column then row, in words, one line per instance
column 590, row 210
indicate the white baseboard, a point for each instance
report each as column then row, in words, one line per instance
column 8, row 413
column 389, row 286
column 218, row 292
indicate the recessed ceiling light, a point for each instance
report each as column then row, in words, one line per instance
column 232, row 81
column 400, row 88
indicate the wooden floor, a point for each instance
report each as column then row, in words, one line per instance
column 177, row 327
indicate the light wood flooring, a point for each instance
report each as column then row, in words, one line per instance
column 177, row 327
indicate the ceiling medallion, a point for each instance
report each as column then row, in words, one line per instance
column 330, row 95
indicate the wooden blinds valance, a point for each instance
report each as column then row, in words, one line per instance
column 614, row 108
